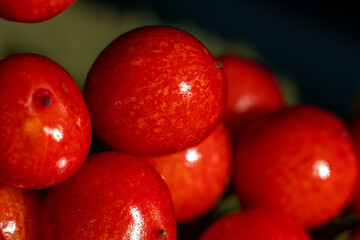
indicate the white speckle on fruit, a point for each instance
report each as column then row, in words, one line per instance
column 243, row 103
column 137, row 224
column 192, row 155
column 10, row 228
column 185, row 88
column 321, row 169
column 56, row 133
column 61, row 164
column 79, row 122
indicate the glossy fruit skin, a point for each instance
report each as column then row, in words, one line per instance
column 255, row 224
column 300, row 161
column 252, row 91
column 20, row 213
column 45, row 128
column 31, row 11
column 198, row 176
column 155, row 90
column 113, row 196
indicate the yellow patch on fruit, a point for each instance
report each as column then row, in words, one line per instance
column 32, row 126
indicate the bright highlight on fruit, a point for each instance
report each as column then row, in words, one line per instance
column 300, row 161
column 200, row 172
column 113, row 196
column 155, row 90
column 45, row 129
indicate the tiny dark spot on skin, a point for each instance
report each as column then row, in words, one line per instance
column 43, row 98
column 218, row 64
column 47, row 101
column 163, row 232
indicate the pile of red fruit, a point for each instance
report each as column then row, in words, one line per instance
column 179, row 130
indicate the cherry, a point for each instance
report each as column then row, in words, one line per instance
column 155, row 90
column 255, row 224
column 252, row 91
column 45, row 129
column 31, row 11
column 300, row 161
column 20, row 213
column 113, row 196
column 197, row 176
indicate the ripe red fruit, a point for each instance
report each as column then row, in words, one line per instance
column 256, row 224
column 300, row 161
column 252, row 91
column 198, row 176
column 155, row 90
column 45, row 129
column 31, row 11
column 20, row 213
column 113, row 196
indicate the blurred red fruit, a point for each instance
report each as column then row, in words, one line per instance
column 300, row 161
column 197, row 177
column 256, row 224
column 252, row 91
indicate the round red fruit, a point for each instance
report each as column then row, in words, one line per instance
column 45, row 129
column 31, row 11
column 252, row 91
column 197, row 176
column 113, row 196
column 300, row 161
column 20, row 213
column 256, row 224
column 155, row 90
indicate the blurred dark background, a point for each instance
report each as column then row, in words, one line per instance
column 315, row 42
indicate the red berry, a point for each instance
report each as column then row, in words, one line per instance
column 256, row 224
column 31, row 11
column 113, row 196
column 20, row 213
column 155, row 90
column 198, row 176
column 252, row 91
column 300, row 161
column 45, row 129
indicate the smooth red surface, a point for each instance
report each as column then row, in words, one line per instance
column 300, row 161
column 197, row 176
column 41, row 143
column 255, row 224
column 252, row 91
column 31, row 11
column 20, row 213
column 113, row 196
column 155, row 90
